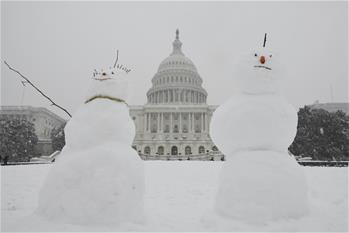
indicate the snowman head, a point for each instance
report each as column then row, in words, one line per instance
column 111, row 72
column 256, row 72
column 109, row 83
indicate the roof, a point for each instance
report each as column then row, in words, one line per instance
column 31, row 109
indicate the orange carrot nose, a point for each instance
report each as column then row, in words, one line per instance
column 262, row 59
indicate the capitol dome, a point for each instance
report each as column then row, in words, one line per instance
column 177, row 80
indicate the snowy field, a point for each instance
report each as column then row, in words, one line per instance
column 178, row 198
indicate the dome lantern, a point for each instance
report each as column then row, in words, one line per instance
column 177, row 44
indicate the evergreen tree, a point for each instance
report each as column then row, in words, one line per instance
column 322, row 135
column 17, row 140
column 58, row 138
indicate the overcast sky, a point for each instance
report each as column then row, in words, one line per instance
column 58, row 44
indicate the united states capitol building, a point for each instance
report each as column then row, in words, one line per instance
column 174, row 123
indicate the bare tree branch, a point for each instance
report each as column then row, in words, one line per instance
column 28, row 81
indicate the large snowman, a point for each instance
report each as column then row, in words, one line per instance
column 98, row 178
column 260, row 180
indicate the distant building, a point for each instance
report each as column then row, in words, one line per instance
column 44, row 122
column 174, row 123
column 331, row 107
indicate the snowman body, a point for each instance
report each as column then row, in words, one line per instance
column 254, row 122
column 260, row 181
column 98, row 178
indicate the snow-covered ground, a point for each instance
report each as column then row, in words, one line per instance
column 178, row 198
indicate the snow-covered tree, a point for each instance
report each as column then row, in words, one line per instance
column 58, row 138
column 322, row 135
column 17, row 140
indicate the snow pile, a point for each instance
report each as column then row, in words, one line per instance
column 260, row 181
column 98, row 178
column 176, row 197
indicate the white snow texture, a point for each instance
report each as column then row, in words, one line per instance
column 260, row 181
column 98, row 178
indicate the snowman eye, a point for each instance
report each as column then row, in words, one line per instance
column 255, row 55
column 270, row 55
column 112, row 72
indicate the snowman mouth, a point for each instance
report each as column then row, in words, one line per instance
column 101, row 79
column 265, row 67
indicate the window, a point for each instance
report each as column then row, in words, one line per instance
column 175, row 129
column 154, row 128
column 185, row 129
column 187, row 150
column 197, row 129
column 214, row 148
column 160, row 150
column 147, row 150
column 174, row 150
column 201, row 150
column 167, row 129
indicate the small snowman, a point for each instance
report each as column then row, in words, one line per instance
column 260, row 180
column 98, row 178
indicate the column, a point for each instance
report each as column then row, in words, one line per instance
column 189, row 120
column 158, row 121
column 192, row 121
column 145, row 122
column 171, row 130
column 149, row 116
column 180, row 123
column 202, row 122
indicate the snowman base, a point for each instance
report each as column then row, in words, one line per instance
column 261, row 186
column 100, row 185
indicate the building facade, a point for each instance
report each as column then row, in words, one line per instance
column 174, row 123
column 44, row 122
